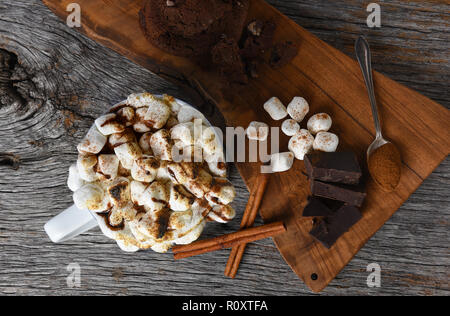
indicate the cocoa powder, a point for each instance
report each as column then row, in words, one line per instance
column 385, row 166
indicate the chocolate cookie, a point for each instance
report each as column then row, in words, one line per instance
column 190, row 27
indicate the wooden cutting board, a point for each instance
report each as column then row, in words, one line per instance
column 332, row 83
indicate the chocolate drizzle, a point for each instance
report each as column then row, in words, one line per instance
column 163, row 222
column 106, row 216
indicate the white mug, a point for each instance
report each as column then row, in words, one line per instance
column 73, row 221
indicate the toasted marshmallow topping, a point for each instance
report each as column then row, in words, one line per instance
column 86, row 165
column 158, row 113
column 109, row 124
column 142, row 197
column 188, row 114
column 107, row 167
column 145, row 168
column 93, row 142
column 74, row 181
column 222, row 214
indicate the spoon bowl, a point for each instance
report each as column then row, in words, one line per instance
column 377, row 143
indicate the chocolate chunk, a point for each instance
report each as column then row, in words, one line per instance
column 339, row 167
column 259, row 39
column 349, row 194
column 225, row 55
column 331, row 228
column 321, row 207
column 283, row 54
column 162, row 220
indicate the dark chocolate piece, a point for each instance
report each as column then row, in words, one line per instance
column 331, row 228
column 339, row 167
column 349, row 194
column 321, row 207
column 259, row 39
column 226, row 56
column 283, row 54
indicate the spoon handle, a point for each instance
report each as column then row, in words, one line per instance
column 362, row 49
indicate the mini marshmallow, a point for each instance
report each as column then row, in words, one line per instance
column 139, row 100
column 108, row 124
column 126, row 115
column 325, row 141
column 183, row 132
column 119, row 191
column 200, row 183
column 137, row 188
column 172, row 122
column 140, row 125
column 257, row 131
column 74, row 181
column 319, row 123
column 216, row 163
column 127, row 247
column 92, row 197
column 119, row 139
column 172, row 103
column 145, row 169
column 209, row 141
column 281, row 162
column 189, row 114
column 163, row 174
column 301, row 143
column 290, row 127
column 144, row 143
column 192, row 235
column 158, row 113
column 156, row 196
column 180, row 199
column 222, row 192
column 85, row 165
column 108, row 167
column 276, row 109
column 127, row 153
column 222, row 214
column 298, row 108
column 93, row 142
column 162, row 144
column 190, row 153
column 179, row 220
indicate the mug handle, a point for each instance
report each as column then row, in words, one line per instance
column 69, row 224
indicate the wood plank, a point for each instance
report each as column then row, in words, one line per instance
column 330, row 80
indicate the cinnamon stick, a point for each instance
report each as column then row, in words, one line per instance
column 250, row 213
column 228, row 240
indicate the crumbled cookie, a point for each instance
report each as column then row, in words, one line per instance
column 283, row 54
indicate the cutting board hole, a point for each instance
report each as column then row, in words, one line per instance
column 314, row 277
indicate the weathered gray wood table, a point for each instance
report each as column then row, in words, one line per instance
column 54, row 82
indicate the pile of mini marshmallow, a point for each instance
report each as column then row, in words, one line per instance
column 134, row 187
column 303, row 141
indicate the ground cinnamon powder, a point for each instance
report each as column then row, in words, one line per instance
column 385, row 166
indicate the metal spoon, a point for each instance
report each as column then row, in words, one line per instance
column 363, row 55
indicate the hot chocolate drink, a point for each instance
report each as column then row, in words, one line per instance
column 149, row 177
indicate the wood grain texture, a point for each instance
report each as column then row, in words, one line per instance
column 332, row 83
column 63, row 89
